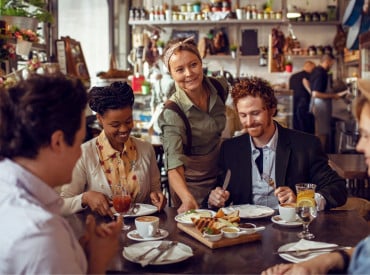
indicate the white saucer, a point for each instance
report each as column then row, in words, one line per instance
column 133, row 235
column 278, row 220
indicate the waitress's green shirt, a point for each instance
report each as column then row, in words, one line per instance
column 206, row 127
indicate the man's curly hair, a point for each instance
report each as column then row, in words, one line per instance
column 255, row 87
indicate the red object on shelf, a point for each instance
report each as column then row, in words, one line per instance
column 288, row 68
column 137, row 81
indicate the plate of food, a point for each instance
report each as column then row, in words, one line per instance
column 186, row 217
column 250, row 211
column 278, row 220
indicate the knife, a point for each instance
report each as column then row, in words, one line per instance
column 311, row 250
column 161, row 252
column 226, row 180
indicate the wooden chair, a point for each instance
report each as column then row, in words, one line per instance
column 359, row 204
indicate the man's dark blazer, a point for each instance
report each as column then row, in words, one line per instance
column 299, row 159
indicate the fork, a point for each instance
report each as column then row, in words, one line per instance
column 142, row 256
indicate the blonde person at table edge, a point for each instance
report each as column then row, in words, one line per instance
column 191, row 175
column 269, row 160
column 355, row 260
column 113, row 157
column 42, row 125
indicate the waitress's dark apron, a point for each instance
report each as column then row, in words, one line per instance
column 201, row 173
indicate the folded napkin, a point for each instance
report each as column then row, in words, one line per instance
column 174, row 254
column 305, row 244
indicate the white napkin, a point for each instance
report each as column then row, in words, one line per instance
column 173, row 254
column 305, row 244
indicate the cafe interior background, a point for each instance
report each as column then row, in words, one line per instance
column 102, row 41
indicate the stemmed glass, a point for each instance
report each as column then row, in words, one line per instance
column 121, row 202
column 306, row 207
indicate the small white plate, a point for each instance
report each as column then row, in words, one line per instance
column 185, row 218
column 145, row 209
column 134, row 235
column 278, row 220
column 179, row 253
column 250, row 211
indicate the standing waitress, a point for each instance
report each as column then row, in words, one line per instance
column 192, row 171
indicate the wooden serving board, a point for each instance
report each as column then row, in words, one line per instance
column 195, row 233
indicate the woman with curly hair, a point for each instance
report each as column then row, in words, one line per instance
column 113, row 157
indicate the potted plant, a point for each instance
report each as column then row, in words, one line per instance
column 24, row 38
column 233, row 49
column 160, row 46
column 145, row 87
column 25, row 14
column 196, row 6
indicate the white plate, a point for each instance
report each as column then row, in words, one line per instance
column 145, row 209
column 278, row 220
column 185, row 218
column 134, row 235
column 250, row 211
column 291, row 258
column 179, row 253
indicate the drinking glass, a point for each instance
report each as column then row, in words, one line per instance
column 121, row 202
column 306, row 207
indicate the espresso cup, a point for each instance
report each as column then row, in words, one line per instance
column 147, row 226
column 288, row 212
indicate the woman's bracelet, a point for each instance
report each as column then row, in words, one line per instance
column 345, row 257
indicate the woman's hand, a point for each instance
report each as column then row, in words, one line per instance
column 158, row 200
column 218, row 197
column 97, row 202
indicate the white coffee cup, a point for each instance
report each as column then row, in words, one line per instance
column 147, row 226
column 288, row 211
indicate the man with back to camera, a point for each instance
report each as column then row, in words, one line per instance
column 268, row 160
column 303, row 120
column 322, row 96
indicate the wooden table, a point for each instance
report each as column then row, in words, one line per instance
column 340, row 227
column 352, row 167
column 349, row 166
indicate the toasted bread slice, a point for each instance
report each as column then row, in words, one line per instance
column 203, row 222
column 234, row 214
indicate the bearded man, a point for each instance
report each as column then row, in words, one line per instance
column 268, row 160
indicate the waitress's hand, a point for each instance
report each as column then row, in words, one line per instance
column 218, row 197
column 187, row 204
column 285, row 195
column 158, row 200
column 97, row 202
column 341, row 94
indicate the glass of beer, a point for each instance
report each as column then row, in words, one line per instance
column 306, row 207
column 121, row 202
